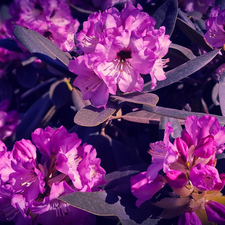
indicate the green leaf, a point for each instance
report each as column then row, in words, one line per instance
column 178, row 55
column 43, row 48
column 222, row 93
column 178, row 114
column 77, row 99
column 183, row 70
column 141, row 116
column 32, row 117
column 27, row 76
column 59, row 93
column 6, row 90
column 193, row 35
column 139, row 98
column 10, row 44
column 90, row 116
column 166, row 15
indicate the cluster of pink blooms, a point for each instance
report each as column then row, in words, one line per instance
column 118, row 47
column 51, row 18
column 189, row 169
column 215, row 34
column 8, row 120
column 98, row 4
column 30, row 187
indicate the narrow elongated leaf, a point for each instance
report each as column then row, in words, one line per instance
column 42, row 48
column 10, row 45
column 139, row 98
column 178, row 114
column 59, row 93
column 178, row 55
column 222, row 93
column 193, row 35
column 166, row 15
column 185, row 18
column 183, row 70
column 77, row 99
column 90, row 116
column 141, row 116
column 32, row 117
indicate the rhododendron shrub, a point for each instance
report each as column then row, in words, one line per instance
column 189, row 167
column 85, row 86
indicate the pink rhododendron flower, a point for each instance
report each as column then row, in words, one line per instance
column 215, row 34
column 8, row 120
column 189, row 217
column 176, row 179
column 163, row 154
column 92, row 86
column 143, row 188
column 215, row 212
column 205, row 177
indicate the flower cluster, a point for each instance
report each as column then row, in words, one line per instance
column 8, row 120
column 189, row 167
column 98, row 4
column 29, row 189
column 52, row 19
column 215, row 34
column 118, row 47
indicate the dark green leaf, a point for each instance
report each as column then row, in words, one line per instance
column 6, row 90
column 178, row 55
column 179, row 114
column 59, row 93
column 32, row 117
column 222, row 93
column 77, row 99
column 193, row 35
column 108, row 203
column 10, row 45
column 90, row 116
column 183, row 70
column 166, row 15
column 139, row 98
column 141, row 116
column 42, row 48
column 26, row 76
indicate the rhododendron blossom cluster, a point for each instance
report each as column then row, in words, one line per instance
column 189, row 169
column 52, row 19
column 118, row 48
column 29, row 188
